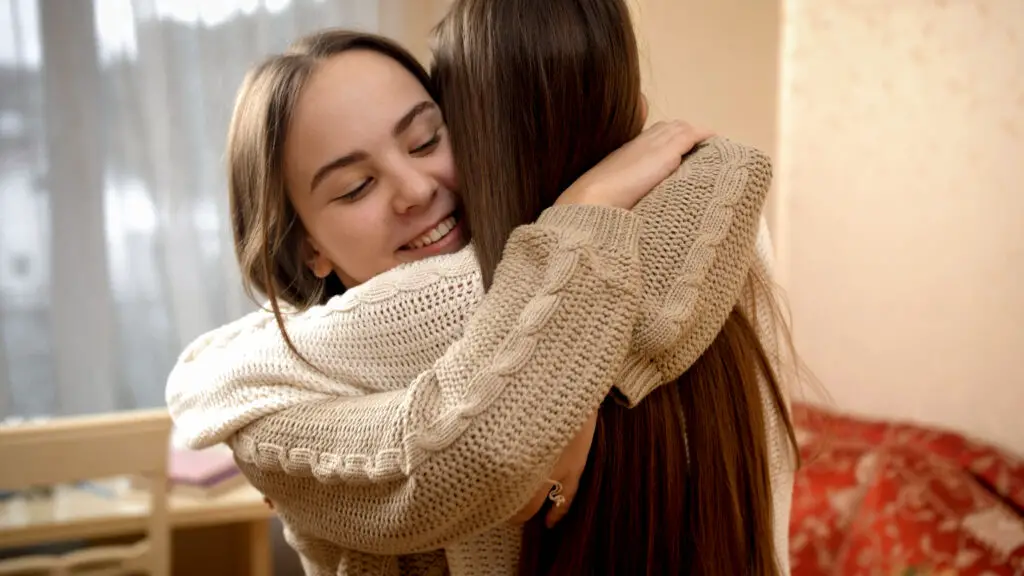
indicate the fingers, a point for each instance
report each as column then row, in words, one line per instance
column 698, row 134
column 676, row 135
column 684, row 131
column 682, row 137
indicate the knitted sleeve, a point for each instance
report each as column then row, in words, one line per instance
column 691, row 279
column 354, row 455
column 680, row 316
column 782, row 459
column 469, row 442
column 321, row 558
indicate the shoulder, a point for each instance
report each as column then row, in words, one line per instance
column 427, row 274
column 724, row 150
column 718, row 153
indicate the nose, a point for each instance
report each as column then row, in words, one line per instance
column 413, row 187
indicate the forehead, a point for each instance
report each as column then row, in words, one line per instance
column 352, row 100
column 361, row 83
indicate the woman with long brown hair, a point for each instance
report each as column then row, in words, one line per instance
column 383, row 423
column 697, row 477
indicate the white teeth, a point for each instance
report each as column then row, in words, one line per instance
column 439, row 231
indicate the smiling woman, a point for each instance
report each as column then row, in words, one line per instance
column 138, row 227
column 315, row 204
column 331, row 174
column 430, row 413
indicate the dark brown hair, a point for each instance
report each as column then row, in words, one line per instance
column 267, row 231
column 535, row 92
column 523, row 97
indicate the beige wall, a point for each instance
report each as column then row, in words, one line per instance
column 898, row 209
column 713, row 63
column 411, row 21
column 901, row 195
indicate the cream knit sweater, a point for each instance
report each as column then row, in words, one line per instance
column 436, row 412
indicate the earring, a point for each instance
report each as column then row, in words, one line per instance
column 555, row 495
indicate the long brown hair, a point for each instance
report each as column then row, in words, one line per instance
column 523, row 97
column 267, row 231
column 535, row 92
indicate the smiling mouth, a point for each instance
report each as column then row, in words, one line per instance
column 436, row 234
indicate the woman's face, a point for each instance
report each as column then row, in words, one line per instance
column 369, row 169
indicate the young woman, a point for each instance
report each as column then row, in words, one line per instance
column 401, row 427
column 696, row 478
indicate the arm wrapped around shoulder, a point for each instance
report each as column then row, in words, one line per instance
column 697, row 246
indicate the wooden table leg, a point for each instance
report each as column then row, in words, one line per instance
column 236, row 549
column 260, row 559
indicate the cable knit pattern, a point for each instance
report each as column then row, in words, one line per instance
column 568, row 254
column 354, row 455
column 669, row 337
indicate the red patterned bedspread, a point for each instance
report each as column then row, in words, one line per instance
column 881, row 498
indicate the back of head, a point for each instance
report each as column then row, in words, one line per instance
column 535, row 93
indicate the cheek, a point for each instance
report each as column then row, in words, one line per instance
column 444, row 169
column 357, row 240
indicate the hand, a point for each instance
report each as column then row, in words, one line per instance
column 567, row 471
column 628, row 174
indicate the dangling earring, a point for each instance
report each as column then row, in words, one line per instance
column 555, row 494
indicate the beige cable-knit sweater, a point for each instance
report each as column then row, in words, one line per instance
column 370, row 473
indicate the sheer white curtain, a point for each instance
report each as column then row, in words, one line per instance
column 114, row 244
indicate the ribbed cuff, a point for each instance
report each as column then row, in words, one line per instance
column 636, row 379
column 602, row 226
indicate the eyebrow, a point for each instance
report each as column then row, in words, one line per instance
column 358, row 156
column 406, row 121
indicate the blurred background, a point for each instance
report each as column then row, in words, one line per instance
column 897, row 214
column 115, row 249
column 897, row 211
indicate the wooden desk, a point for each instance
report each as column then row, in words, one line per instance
column 210, row 535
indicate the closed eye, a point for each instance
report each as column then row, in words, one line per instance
column 357, row 192
column 428, row 145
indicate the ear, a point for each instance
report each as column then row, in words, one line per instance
column 315, row 259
